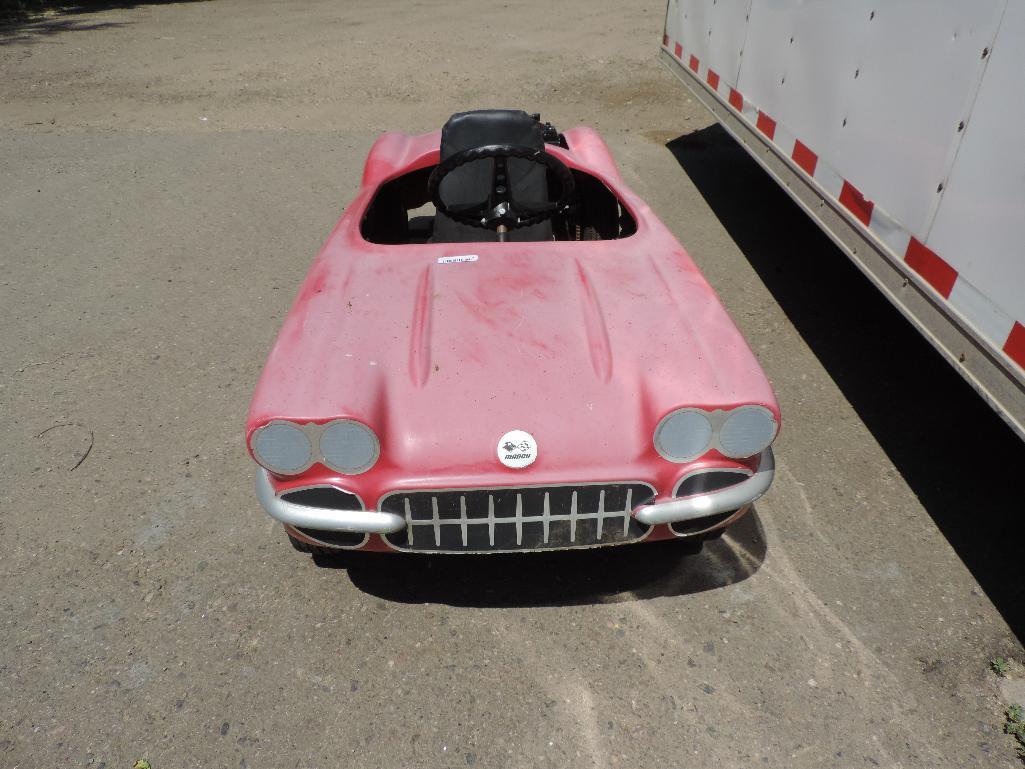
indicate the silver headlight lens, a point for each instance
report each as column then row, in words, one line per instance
column 683, row 435
column 282, row 448
column 747, row 431
column 349, row 447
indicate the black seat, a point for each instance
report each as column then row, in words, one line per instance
column 471, row 183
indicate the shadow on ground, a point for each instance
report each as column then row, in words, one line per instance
column 948, row 445
column 28, row 21
column 603, row 575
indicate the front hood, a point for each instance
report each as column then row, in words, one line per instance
column 585, row 345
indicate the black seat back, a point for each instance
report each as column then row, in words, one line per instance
column 471, row 183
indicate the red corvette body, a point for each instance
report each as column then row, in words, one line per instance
column 442, row 349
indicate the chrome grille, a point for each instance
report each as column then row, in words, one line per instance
column 518, row 518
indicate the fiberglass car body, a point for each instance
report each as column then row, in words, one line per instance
column 538, row 365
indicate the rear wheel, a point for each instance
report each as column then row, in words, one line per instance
column 302, row 547
column 691, row 545
column 319, row 553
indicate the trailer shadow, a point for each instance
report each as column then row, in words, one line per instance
column 889, row 373
column 37, row 21
column 599, row 576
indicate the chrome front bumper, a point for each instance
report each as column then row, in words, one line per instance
column 326, row 519
column 375, row 522
column 715, row 502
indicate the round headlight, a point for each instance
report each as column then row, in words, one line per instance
column 747, row 431
column 349, row 447
column 683, row 435
column 282, row 448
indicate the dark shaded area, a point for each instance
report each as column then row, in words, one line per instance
column 936, row 430
column 21, row 20
column 37, row 30
column 570, row 577
column 392, row 218
column 324, row 496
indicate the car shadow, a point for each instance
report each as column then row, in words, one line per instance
column 954, row 452
column 597, row 576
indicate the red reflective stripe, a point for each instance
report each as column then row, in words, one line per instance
column 766, row 124
column 936, row 272
column 925, row 262
column 1015, row 344
column 678, row 50
column 855, row 202
column 805, row 158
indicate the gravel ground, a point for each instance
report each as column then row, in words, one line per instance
column 167, row 172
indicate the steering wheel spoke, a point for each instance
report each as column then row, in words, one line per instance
column 501, row 209
column 547, row 209
column 476, row 210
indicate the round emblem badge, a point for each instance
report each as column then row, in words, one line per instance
column 517, row 449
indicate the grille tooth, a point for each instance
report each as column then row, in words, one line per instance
column 573, row 518
column 462, row 518
column 518, row 518
column 436, row 520
column 546, row 522
column 491, row 519
column 627, row 509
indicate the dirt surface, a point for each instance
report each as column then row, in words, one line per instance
column 167, row 172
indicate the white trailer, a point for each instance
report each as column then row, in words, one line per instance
column 898, row 127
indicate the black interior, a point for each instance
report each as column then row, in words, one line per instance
column 470, row 183
column 594, row 213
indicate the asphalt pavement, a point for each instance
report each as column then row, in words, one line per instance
column 168, row 171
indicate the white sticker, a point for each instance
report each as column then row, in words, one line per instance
column 455, row 259
column 517, row 449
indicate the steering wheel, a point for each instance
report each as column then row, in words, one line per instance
column 500, row 209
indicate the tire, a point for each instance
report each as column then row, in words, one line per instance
column 314, row 550
column 691, row 545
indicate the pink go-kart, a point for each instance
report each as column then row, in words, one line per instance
column 501, row 348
